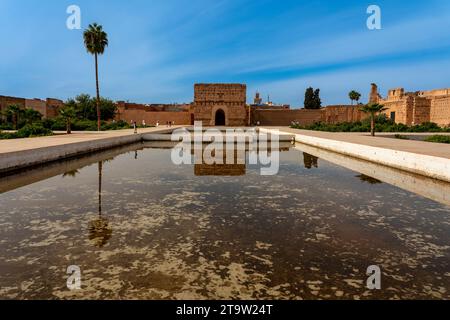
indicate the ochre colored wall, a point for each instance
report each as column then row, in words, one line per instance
column 286, row 117
column 440, row 111
column 37, row 105
column 152, row 117
column 210, row 98
column 342, row 113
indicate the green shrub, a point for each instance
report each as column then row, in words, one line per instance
column 119, row 125
column 33, row 130
column 438, row 139
column 7, row 135
column 383, row 124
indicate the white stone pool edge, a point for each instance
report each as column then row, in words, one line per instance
column 430, row 166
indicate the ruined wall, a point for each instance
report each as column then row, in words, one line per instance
column 286, row 117
column 230, row 98
column 400, row 107
column 6, row 101
column 342, row 113
column 440, row 111
column 53, row 107
column 421, row 110
column 152, row 117
column 37, row 105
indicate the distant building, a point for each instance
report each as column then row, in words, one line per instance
column 49, row 108
column 220, row 104
column 259, row 104
column 413, row 108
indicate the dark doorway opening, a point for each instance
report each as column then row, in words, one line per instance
column 220, row 117
column 393, row 116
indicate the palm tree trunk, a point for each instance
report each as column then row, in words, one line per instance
column 100, row 169
column 69, row 127
column 98, row 93
column 372, row 125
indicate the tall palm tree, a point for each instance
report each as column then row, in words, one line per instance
column 373, row 109
column 96, row 41
column 354, row 96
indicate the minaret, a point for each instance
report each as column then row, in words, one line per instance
column 258, row 100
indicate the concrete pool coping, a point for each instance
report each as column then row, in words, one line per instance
column 423, row 158
column 18, row 154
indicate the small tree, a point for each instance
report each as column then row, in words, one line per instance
column 68, row 113
column 354, row 96
column 309, row 98
column 13, row 112
column 312, row 99
column 317, row 100
column 31, row 116
column 373, row 109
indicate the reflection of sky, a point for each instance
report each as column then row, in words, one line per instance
column 158, row 49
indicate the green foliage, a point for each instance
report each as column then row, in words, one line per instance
column 373, row 108
column 438, row 139
column 28, row 131
column 354, row 96
column 401, row 137
column 312, row 99
column 33, row 130
column 383, row 124
column 12, row 114
column 116, row 125
column 86, row 107
column 31, row 116
column 95, row 39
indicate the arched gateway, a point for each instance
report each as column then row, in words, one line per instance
column 220, row 118
column 220, row 104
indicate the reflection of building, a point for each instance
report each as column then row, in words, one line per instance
column 229, row 170
column 220, row 104
column 310, row 161
column 413, row 108
column 238, row 166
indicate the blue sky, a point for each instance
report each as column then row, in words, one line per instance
column 159, row 49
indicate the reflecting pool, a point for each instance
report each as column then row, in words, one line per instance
column 140, row 227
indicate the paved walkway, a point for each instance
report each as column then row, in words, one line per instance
column 381, row 141
column 16, row 145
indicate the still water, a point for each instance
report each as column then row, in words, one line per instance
column 140, row 227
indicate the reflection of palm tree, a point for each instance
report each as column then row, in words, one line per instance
column 99, row 230
column 368, row 179
column 310, row 161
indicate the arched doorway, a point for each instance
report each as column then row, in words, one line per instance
column 220, row 117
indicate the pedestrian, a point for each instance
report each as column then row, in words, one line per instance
column 135, row 127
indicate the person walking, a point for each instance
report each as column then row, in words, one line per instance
column 135, row 127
